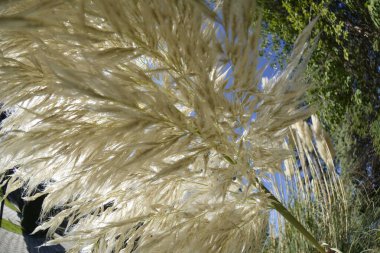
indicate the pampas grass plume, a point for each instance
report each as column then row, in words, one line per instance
column 127, row 112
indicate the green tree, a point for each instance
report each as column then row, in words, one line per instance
column 345, row 71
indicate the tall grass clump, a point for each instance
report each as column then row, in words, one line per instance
column 147, row 122
column 311, row 189
column 335, row 211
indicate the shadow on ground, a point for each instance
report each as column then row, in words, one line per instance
column 33, row 245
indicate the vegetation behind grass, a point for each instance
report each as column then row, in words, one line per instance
column 8, row 203
column 6, row 224
column 9, row 226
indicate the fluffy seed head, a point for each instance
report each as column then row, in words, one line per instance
column 145, row 120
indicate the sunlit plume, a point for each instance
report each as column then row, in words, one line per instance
column 128, row 112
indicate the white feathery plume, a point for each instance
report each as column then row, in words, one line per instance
column 128, row 113
column 304, row 132
column 309, row 139
column 323, row 142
